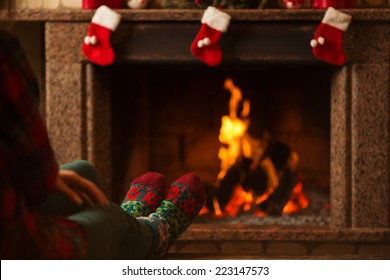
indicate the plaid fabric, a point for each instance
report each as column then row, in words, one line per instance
column 27, row 168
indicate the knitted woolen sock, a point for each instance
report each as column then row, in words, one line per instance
column 144, row 195
column 176, row 212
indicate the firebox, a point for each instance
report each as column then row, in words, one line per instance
column 167, row 118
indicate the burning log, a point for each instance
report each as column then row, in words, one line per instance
column 276, row 201
column 272, row 180
column 283, row 160
column 279, row 153
column 224, row 190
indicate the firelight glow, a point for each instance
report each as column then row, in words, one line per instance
column 233, row 133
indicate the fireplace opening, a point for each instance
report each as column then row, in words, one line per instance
column 167, row 118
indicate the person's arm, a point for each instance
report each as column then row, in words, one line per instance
column 34, row 168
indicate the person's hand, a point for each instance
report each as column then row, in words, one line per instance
column 79, row 189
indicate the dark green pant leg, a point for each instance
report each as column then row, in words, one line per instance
column 85, row 169
column 113, row 234
column 58, row 203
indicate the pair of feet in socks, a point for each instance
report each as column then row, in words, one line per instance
column 168, row 211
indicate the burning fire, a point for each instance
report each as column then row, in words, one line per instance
column 233, row 133
column 237, row 143
column 234, row 139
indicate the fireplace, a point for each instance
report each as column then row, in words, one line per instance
column 353, row 102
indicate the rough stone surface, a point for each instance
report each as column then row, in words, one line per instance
column 63, row 42
column 65, row 111
column 283, row 248
column 367, row 42
column 98, row 122
column 198, row 231
column 370, row 145
column 265, row 15
column 334, row 249
column 241, row 247
column 340, row 168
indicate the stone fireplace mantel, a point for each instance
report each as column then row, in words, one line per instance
column 78, row 95
column 72, row 15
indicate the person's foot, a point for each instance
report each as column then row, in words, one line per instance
column 145, row 194
column 184, row 200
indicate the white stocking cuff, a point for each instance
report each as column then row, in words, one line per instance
column 216, row 19
column 106, row 17
column 337, row 19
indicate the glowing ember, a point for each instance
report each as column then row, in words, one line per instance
column 297, row 200
column 241, row 200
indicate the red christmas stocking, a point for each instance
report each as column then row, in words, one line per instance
column 91, row 4
column 328, row 39
column 94, row 4
column 97, row 46
column 206, row 44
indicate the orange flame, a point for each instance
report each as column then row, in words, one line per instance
column 241, row 200
column 244, row 201
column 233, row 130
column 297, row 200
column 236, row 142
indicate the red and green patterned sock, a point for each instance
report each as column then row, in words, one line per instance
column 184, row 200
column 145, row 194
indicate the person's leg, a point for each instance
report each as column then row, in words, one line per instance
column 113, row 234
column 85, row 169
column 58, row 203
column 182, row 204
